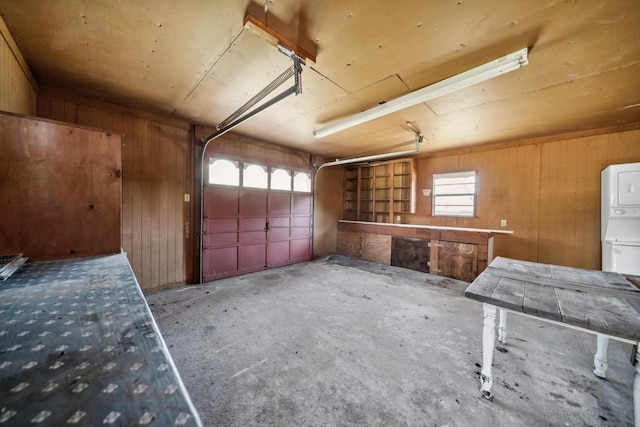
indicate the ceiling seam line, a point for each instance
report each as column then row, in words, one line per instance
column 208, row 71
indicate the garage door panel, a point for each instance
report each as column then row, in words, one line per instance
column 276, row 234
column 220, row 201
column 302, row 204
column 301, row 249
column 300, row 231
column 275, row 222
column 253, row 203
column 251, row 256
column 221, row 239
column 252, row 237
column 280, row 203
column 221, row 260
column 301, row 221
column 278, row 253
column 221, row 225
column 253, row 224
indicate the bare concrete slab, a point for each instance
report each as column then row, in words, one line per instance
column 344, row 342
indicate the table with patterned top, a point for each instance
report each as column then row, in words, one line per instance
column 79, row 346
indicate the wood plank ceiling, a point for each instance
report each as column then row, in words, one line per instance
column 193, row 60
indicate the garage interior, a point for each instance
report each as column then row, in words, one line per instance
column 117, row 120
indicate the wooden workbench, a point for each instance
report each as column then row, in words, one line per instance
column 607, row 304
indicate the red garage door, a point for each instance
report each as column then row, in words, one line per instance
column 255, row 217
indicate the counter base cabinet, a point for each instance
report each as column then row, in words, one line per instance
column 455, row 254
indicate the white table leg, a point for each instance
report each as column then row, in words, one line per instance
column 600, row 360
column 502, row 327
column 488, row 342
column 636, row 387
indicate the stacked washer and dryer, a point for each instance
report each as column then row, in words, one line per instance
column 620, row 232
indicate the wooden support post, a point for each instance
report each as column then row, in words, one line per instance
column 600, row 360
column 488, row 342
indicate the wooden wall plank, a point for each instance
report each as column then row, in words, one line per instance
column 182, row 214
column 152, row 148
column 137, row 136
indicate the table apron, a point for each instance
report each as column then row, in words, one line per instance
column 555, row 322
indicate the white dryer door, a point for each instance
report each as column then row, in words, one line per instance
column 625, row 259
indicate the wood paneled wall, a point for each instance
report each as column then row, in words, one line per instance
column 18, row 88
column 548, row 191
column 156, row 175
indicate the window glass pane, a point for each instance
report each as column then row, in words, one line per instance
column 302, row 182
column 454, row 210
column 254, row 176
column 280, row 179
column 454, row 194
column 224, row 172
column 454, row 188
column 454, row 200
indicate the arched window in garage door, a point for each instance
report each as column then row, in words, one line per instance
column 259, row 221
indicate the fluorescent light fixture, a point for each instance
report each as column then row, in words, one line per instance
column 507, row 63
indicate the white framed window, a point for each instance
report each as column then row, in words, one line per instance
column 302, row 182
column 454, row 194
column 224, row 172
column 255, row 176
column 280, row 179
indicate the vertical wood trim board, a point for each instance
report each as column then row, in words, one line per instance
column 155, row 176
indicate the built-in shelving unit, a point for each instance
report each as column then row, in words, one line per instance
column 377, row 193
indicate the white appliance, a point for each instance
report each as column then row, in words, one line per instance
column 620, row 231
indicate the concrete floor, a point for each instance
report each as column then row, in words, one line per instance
column 339, row 341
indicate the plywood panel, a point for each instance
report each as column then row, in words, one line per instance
column 457, row 260
column 155, row 165
column 376, row 248
column 61, row 189
column 349, row 243
column 410, row 253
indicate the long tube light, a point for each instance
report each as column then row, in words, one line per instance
column 492, row 69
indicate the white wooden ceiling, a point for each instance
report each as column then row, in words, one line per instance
column 192, row 59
